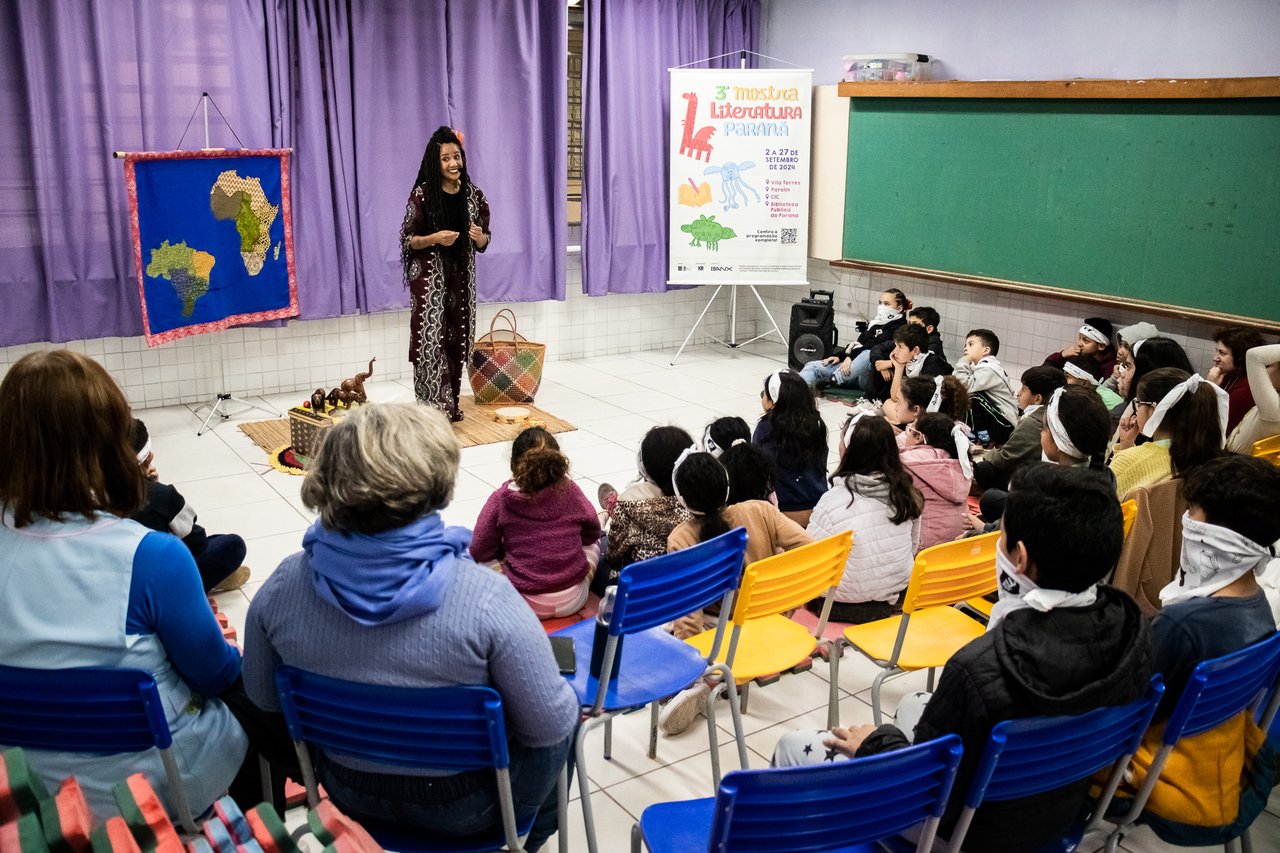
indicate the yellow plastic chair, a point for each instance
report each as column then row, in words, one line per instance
column 1268, row 449
column 764, row 641
column 930, row 630
column 1129, row 510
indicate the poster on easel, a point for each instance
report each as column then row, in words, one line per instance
column 212, row 239
column 739, row 176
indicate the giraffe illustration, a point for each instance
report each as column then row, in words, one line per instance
column 695, row 144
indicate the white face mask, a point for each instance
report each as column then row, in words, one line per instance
column 1213, row 557
column 1019, row 592
column 885, row 314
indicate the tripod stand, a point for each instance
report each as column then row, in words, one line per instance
column 216, row 405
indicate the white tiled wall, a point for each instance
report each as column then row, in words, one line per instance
column 304, row 355
column 307, row 354
column 1029, row 327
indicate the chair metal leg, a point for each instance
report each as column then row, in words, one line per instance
column 1232, row 846
column 264, row 779
column 584, row 785
column 178, row 792
column 877, row 716
column 506, row 805
column 637, row 838
column 932, row 671
column 746, row 691
column 562, row 807
column 653, row 730
column 834, row 649
column 735, row 714
column 608, row 738
column 1246, row 842
column 713, row 737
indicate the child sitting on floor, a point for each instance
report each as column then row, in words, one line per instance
column 852, row 367
column 794, row 437
column 540, row 528
column 750, row 473
column 937, row 455
column 219, row 556
column 911, row 351
column 722, row 433
column 911, row 397
column 993, row 407
column 702, row 487
column 996, row 466
column 1086, row 371
column 1219, row 778
column 872, row 495
column 647, row 511
column 1094, row 338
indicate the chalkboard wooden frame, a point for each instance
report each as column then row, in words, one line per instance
column 1146, row 90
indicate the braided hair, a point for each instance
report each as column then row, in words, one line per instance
column 429, row 180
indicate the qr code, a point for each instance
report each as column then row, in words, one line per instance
column 788, row 236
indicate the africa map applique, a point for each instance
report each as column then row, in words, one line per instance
column 242, row 199
column 191, row 214
column 187, row 269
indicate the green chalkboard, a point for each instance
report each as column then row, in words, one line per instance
column 1174, row 202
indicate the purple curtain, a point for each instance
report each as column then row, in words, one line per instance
column 626, row 95
column 356, row 88
column 508, row 94
column 79, row 80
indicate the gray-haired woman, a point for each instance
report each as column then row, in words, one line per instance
column 384, row 593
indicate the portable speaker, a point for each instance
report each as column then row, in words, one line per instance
column 813, row 329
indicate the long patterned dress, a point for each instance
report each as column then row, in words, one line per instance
column 442, row 303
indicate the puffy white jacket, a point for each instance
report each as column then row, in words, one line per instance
column 883, row 553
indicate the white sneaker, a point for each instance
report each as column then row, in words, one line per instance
column 684, row 708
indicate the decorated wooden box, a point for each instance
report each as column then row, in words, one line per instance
column 306, row 428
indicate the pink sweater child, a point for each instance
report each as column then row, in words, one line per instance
column 540, row 528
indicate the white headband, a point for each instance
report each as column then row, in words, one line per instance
column 1133, row 348
column 935, row 402
column 1094, row 335
column 848, row 430
column 1180, row 390
column 680, row 460
column 773, row 385
column 644, row 475
column 961, row 434
column 1079, row 373
column 145, row 451
column 1057, row 430
column 710, row 443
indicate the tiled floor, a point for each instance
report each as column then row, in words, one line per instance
column 613, row 401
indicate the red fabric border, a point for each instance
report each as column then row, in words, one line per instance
column 291, row 310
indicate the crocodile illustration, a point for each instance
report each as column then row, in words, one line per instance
column 706, row 230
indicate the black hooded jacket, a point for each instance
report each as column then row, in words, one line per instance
column 1067, row 661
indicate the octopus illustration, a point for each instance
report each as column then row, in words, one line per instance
column 731, row 183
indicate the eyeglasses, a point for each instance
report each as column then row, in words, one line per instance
column 1145, row 403
column 911, row 430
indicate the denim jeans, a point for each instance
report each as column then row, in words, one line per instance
column 817, row 374
column 457, row 805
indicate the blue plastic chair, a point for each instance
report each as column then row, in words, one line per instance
column 91, row 710
column 435, row 728
column 654, row 664
column 846, row 806
column 1039, row 754
column 1218, row 689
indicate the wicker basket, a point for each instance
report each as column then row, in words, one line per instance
column 306, row 428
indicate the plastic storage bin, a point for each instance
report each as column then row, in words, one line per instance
column 887, row 66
